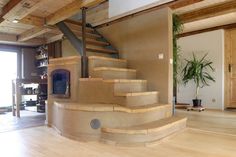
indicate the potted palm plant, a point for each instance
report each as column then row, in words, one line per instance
column 198, row 70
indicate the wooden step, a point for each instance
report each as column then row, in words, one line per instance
column 96, row 42
column 113, row 73
column 75, row 25
column 144, row 133
column 97, row 61
column 88, row 35
column 138, row 98
column 108, row 107
column 101, row 50
column 125, row 86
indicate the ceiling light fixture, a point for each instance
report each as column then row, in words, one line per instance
column 15, row 21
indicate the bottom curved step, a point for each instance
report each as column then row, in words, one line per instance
column 141, row 135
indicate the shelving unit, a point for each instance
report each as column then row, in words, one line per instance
column 19, row 92
column 41, row 61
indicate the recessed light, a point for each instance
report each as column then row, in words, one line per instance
column 15, row 21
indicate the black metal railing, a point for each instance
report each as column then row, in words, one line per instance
column 84, row 58
column 78, row 44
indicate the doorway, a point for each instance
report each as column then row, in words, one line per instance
column 8, row 122
column 230, row 68
column 8, row 70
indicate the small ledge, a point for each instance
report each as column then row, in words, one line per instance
column 113, row 69
column 125, row 81
column 136, row 94
column 108, row 59
column 109, row 107
column 113, row 80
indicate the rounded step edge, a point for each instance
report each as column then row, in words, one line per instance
column 110, row 107
column 149, row 128
column 141, row 137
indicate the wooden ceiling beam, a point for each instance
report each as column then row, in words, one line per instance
column 34, row 32
column 211, row 11
column 33, row 20
column 182, row 3
column 19, row 9
column 9, row 6
column 55, row 38
column 70, row 10
column 228, row 26
column 12, row 39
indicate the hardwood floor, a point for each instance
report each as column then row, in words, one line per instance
column 211, row 120
column 45, row 142
column 27, row 120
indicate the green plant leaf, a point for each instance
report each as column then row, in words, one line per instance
column 198, row 70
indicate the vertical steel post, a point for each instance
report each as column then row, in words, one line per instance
column 84, row 55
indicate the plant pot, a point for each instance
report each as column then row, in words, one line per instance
column 197, row 103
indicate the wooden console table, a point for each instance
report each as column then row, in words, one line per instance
column 17, row 95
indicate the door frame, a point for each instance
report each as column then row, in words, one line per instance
column 227, row 62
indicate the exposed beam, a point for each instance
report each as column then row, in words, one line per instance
column 33, row 20
column 18, row 9
column 228, row 26
column 34, row 32
column 182, row 3
column 12, row 39
column 9, row 6
column 70, row 10
column 55, row 38
column 208, row 12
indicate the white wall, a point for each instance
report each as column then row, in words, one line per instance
column 212, row 43
column 116, row 7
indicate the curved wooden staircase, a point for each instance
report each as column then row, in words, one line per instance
column 125, row 111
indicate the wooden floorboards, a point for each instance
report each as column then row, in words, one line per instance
column 28, row 119
column 211, row 120
column 45, row 142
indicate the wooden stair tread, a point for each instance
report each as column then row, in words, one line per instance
column 88, row 35
column 109, row 107
column 107, row 58
column 102, row 50
column 147, row 128
column 113, row 80
column 136, row 93
column 113, row 69
column 96, row 42
column 77, row 24
column 125, row 81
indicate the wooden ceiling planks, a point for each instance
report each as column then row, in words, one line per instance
column 3, row 3
column 13, row 28
column 70, row 10
column 60, row 15
column 196, row 6
column 50, row 7
column 38, row 13
column 12, row 39
column 34, row 32
column 33, row 20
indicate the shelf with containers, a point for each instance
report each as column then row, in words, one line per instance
column 41, row 61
